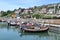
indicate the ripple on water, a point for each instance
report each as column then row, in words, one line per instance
column 12, row 33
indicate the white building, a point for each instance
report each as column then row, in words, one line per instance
column 17, row 13
column 43, row 10
column 27, row 11
column 50, row 11
column 58, row 10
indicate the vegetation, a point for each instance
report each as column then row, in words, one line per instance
column 30, row 14
column 49, row 17
column 3, row 14
column 8, row 13
column 37, row 16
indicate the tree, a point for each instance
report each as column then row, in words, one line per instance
column 9, row 12
column 4, row 14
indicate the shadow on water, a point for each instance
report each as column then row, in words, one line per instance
column 40, row 34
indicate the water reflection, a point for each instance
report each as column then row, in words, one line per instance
column 15, row 33
column 54, row 35
column 38, row 34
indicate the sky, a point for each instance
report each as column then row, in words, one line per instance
column 15, row 4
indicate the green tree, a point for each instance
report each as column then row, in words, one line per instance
column 9, row 12
column 3, row 14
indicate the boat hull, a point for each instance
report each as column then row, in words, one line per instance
column 2, row 21
column 24, row 30
column 12, row 24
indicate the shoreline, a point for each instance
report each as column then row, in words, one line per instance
column 47, row 21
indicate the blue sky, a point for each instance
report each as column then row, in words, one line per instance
column 14, row 4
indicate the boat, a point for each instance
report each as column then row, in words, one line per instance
column 18, row 23
column 31, row 28
column 35, row 29
column 2, row 21
column 11, row 23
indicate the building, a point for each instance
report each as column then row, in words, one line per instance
column 44, row 9
column 17, row 13
column 58, row 9
column 50, row 9
column 27, row 11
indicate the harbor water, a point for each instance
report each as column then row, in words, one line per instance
column 14, row 33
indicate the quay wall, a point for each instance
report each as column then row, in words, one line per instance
column 47, row 21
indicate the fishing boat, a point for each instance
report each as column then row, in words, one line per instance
column 30, row 28
column 11, row 23
column 2, row 21
column 35, row 29
column 18, row 23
